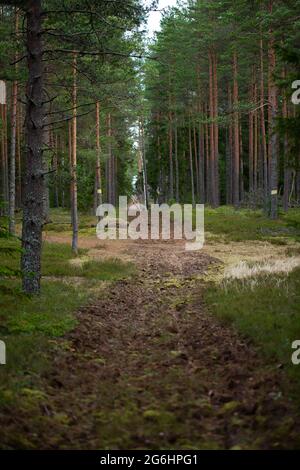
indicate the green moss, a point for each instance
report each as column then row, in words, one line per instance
column 228, row 224
column 49, row 314
column 58, row 260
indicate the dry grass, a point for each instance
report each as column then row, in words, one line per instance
column 244, row 270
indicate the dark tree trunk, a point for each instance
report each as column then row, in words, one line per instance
column 33, row 182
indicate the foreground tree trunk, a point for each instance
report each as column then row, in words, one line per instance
column 33, row 181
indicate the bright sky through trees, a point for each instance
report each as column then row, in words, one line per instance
column 155, row 16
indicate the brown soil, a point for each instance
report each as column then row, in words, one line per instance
column 148, row 367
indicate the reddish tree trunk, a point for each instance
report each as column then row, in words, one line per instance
column 74, row 208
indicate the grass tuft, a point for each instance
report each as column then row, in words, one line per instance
column 265, row 308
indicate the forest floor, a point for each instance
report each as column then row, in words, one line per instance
column 149, row 366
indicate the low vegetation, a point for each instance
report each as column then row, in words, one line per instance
column 228, row 224
column 31, row 326
column 260, row 297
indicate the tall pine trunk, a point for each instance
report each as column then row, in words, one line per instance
column 286, row 168
column 74, row 208
column 229, row 151
column 251, row 137
column 236, row 135
column 98, row 178
column 212, row 163
column 176, row 163
column 191, row 163
column 13, row 146
column 273, row 138
column 263, row 125
column 216, row 131
column 33, row 181
column 171, row 164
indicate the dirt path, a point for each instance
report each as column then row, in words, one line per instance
column 147, row 367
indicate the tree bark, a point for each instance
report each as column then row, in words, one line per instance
column 229, row 151
column 110, row 163
column 212, row 163
column 5, row 170
column 98, row 192
column 251, row 135
column 18, row 157
column 191, row 164
column 216, row 131
column 176, row 163
column 236, row 137
column 12, row 166
column 13, row 145
column 196, row 163
column 255, row 143
column 171, row 164
column 273, row 138
column 74, row 208
column 33, row 187
column 263, row 125
column 286, row 168
column 207, row 159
